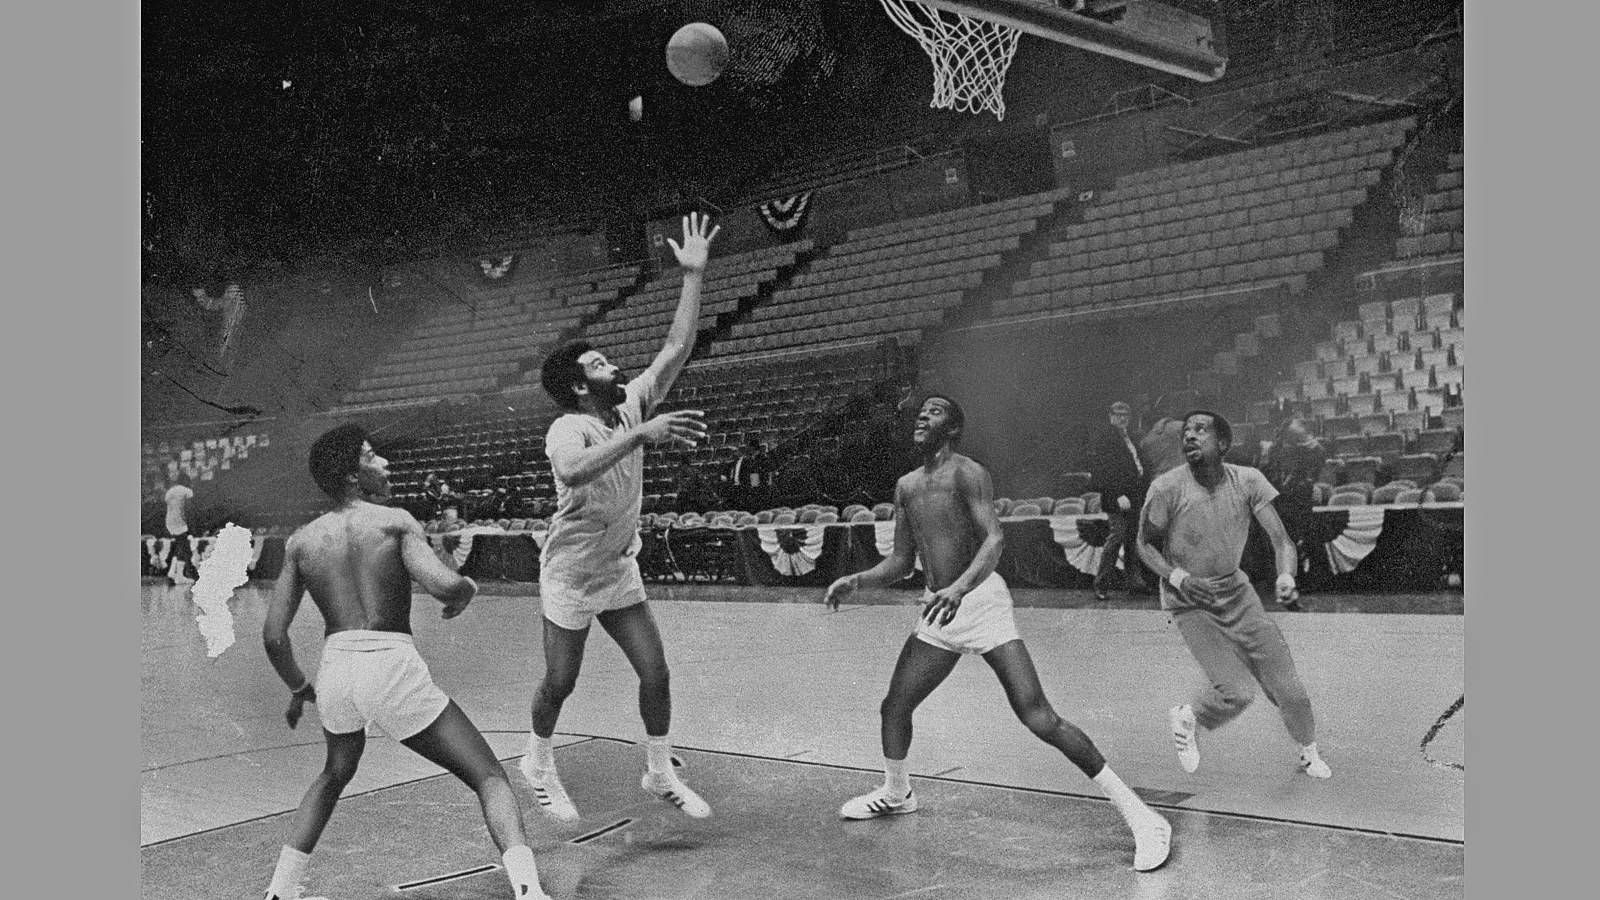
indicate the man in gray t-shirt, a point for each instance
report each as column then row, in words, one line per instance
column 1199, row 515
column 588, row 568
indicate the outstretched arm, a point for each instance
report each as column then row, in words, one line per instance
column 452, row 589
column 692, row 255
column 285, row 602
column 576, row 464
column 892, row 568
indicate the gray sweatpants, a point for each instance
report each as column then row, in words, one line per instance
column 1238, row 646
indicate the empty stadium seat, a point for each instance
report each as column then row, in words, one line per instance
column 1068, row 506
column 1443, row 492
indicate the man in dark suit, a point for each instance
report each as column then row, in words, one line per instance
column 1120, row 478
column 749, row 477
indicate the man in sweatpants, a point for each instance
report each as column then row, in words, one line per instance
column 1199, row 515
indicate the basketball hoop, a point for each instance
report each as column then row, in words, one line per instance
column 970, row 56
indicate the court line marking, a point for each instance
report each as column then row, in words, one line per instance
column 583, row 739
column 1433, row 732
column 1227, row 814
column 601, row 832
column 586, row 739
column 440, row 879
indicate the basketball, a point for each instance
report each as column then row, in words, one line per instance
column 696, row 54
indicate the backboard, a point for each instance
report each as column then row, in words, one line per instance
column 1150, row 33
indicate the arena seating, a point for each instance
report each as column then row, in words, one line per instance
column 632, row 333
column 1221, row 226
column 773, row 400
column 199, row 458
column 468, row 347
column 889, row 281
column 850, row 161
column 1386, row 393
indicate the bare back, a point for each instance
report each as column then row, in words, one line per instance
column 350, row 560
column 944, row 507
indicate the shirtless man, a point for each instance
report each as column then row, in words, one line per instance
column 358, row 562
column 1199, row 514
column 944, row 513
column 589, row 567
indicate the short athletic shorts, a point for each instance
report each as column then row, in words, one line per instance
column 982, row 622
column 376, row 678
column 574, row 605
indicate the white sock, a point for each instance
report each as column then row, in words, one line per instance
column 895, row 777
column 1309, row 749
column 522, row 871
column 291, row 871
column 658, row 754
column 543, row 751
column 1122, row 797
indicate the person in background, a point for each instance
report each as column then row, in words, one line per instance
column 1120, row 479
column 750, row 476
column 1293, row 463
column 180, row 559
column 1161, row 449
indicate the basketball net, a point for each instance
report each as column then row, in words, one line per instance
column 970, row 56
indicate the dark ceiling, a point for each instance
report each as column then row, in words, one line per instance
column 280, row 130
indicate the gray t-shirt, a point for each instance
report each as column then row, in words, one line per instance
column 596, row 525
column 1206, row 529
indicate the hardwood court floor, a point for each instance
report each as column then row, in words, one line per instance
column 776, row 716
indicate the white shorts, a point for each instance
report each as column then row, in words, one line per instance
column 376, row 678
column 574, row 606
column 982, row 622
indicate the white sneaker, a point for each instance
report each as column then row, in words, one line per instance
column 1152, row 844
column 878, row 803
column 548, row 791
column 668, row 787
column 1311, row 762
column 1184, row 737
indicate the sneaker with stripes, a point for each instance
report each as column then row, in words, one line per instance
column 1184, row 737
column 667, row 786
column 548, row 791
column 878, row 803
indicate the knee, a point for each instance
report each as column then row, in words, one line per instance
column 487, row 782
column 894, row 705
column 1039, row 717
column 1235, row 697
column 338, row 773
column 557, row 687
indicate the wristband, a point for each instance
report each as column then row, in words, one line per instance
column 1176, row 577
column 1285, row 582
column 301, row 689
